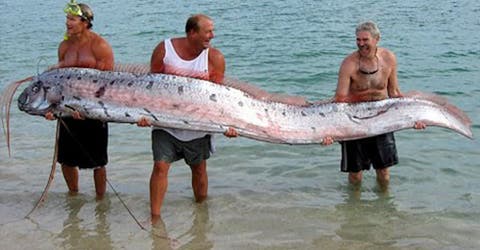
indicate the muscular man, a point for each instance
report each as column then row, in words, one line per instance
column 82, row 142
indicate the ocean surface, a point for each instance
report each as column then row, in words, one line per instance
column 261, row 195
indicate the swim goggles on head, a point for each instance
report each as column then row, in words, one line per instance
column 74, row 9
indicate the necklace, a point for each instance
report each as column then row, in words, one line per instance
column 366, row 72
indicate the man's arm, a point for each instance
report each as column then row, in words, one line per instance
column 216, row 63
column 156, row 66
column 216, row 71
column 62, row 49
column 104, row 54
column 392, row 87
column 156, row 61
column 343, row 89
column 344, row 79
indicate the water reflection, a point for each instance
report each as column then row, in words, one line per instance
column 367, row 221
column 201, row 226
column 160, row 238
column 76, row 233
column 197, row 235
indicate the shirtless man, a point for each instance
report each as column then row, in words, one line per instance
column 82, row 143
column 368, row 74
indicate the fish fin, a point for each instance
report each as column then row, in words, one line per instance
column 260, row 94
column 5, row 104
column 252, row 90
column 140, row 69
column 134, row 68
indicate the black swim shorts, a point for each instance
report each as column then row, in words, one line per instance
column 83, row 143
column 379, row 151
column 169, row 149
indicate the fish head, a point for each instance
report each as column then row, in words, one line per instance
column 40, row 96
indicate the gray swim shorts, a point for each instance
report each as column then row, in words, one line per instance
column 167, row 148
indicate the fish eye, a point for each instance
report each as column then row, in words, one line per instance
column 36, row 87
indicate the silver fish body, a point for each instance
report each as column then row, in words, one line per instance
column 192, row 104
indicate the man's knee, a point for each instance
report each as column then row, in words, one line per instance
column 383, row 174
column 160, row 168
column 200, row 168
column 100, row 171
column 355, row 178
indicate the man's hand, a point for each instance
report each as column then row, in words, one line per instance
column 77, row 116
column 327, row 141
column 50, row 116
column 419, row 125
column 144, row 122
column 231, row 132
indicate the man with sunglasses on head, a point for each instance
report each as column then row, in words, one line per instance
column 368, row 74
column 191, row 56
column 83, row 142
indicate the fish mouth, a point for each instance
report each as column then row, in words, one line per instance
column 35, row 111
column 33, row 106
column 23, row 102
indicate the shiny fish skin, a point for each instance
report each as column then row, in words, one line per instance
column 187, row 103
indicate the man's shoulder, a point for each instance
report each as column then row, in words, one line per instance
column 386, row 52
column 176, row 41
column 160, row 48
column 63, row 45
column 350, row 58
column 99, row 41
column 387, row 55
column 215, row 54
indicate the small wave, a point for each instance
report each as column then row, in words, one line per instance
column 461, row 70
column 450, row 93
column 453, row 54
column 141, row 33
column 450, row 171
column 474, row 53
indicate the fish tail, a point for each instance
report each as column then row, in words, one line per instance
column 452, row 110
column 442, row 101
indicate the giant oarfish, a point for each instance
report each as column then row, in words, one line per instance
column 187, row 103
